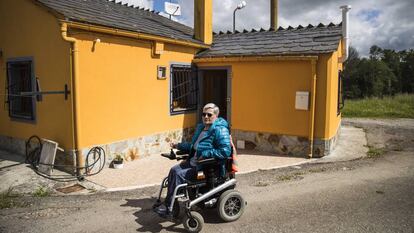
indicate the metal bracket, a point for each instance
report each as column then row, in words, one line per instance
column 66, row 92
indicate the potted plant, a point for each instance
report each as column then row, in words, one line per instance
column 118, row 161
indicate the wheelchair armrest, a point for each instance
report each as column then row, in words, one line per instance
column 207, row 161
column 182, row 152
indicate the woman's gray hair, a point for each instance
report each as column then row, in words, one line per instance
column 216, row 109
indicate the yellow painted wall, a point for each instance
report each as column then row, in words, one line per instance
column 334, row 66
column 27, row 30
column 120, row 96
column 263, row 95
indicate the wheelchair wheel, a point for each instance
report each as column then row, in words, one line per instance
column 194, row 224
column 231, row 205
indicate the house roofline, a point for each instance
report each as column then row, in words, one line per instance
column 126, row 33
column 255, row 58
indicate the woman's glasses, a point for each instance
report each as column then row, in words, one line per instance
column 207, row 114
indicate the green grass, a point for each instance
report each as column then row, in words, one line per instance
column 41, row 192
column 375, row 152
column 9, row 199
column 399, row 106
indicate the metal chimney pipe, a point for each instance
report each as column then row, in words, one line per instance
column 345, row 34
column 274, row 4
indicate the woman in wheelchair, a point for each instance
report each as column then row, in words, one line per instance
column 211, row 140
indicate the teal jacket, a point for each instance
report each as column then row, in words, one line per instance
column 214, row 144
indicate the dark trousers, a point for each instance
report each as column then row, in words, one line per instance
column 179, row 174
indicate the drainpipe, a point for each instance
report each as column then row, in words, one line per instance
column 75, row 96
column 312, row 109
column 345, row 34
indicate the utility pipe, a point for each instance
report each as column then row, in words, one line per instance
column 274, row 5
column 135, row 35
column 345, row 33
column 312, row 109
column 75, row 97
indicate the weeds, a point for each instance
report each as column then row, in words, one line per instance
column 41, row 191
column 8, row 199
column 374, row 152
column 317, row 170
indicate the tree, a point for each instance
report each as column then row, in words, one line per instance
column 407, row 72
column 350, row 82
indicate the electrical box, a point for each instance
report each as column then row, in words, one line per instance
column 161, row 72
column 302, row 100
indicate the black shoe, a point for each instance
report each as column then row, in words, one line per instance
column 162, row 211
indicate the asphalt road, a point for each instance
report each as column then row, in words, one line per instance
column 367, row 195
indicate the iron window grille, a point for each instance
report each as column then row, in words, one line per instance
column 20, row 78
column 183, row 89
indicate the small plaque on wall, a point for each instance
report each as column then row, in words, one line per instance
column 161, row 72
column 302, row 100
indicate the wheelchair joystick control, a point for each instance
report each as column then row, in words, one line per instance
column 172, row 154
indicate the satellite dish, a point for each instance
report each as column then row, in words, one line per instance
column 173, row 9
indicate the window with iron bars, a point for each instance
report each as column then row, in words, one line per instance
column 20, row 78
column 183, row 87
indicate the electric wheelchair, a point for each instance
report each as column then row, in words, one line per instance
column 208, row 190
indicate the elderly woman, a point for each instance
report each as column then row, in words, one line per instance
column 211, row 140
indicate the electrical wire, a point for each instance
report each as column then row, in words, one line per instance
column 33, row 157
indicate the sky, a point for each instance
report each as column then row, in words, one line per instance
column 386, row 23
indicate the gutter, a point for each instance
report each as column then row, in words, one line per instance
column 129, row 34
column 75, row 97
column 254, row 58
column 312, row 109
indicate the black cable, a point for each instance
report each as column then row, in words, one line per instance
column 33, row 157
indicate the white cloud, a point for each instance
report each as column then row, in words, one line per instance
column 386, row 23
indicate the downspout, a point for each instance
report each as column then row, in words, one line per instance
column 75, row 97
column 345, row 33
column 312, row 108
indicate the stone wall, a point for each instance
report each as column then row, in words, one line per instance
column 140, row 147
column 18, row 146
column 13, row 145
column 284, row 144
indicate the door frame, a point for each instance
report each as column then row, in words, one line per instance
column 200, row 75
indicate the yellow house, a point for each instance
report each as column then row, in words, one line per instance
column 95, row 72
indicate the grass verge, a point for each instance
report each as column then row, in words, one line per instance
column 399, row 106
column 9, row 199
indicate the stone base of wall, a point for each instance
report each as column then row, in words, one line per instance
column 13, row 145
column 284, row 144
column 140, row 147
column 18, row 146
column 325, row 147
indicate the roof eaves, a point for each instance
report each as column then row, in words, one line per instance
column 132, row 34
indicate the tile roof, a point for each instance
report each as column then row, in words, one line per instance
column 120, row 16
column 291, row 41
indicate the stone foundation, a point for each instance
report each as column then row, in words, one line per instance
column 18, row 146
column 284, row 144
column 136, row 148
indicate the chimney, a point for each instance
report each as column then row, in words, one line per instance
column 273, row 13
column 203, row 20
column 345, row 32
